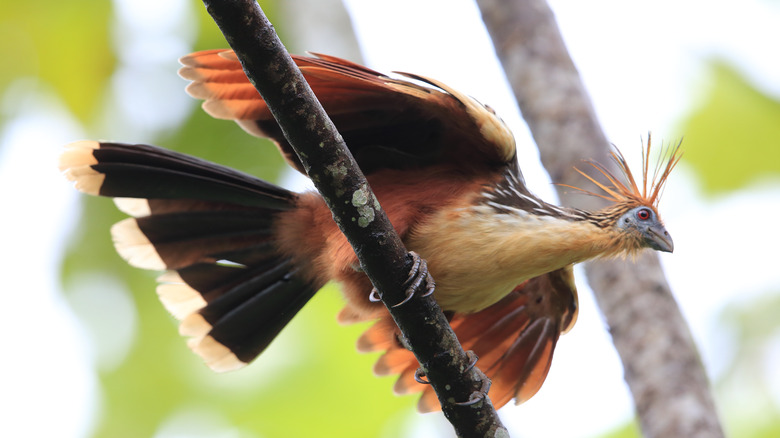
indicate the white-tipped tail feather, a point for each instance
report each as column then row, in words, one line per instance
column 135, row 207
column 75, row 164
column 178, row 298
column 194, row 326
column 133, row 246
column 218, row 357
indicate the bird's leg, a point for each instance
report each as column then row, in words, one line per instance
column 417, row 274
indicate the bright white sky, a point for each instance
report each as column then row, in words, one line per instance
column 640, row 62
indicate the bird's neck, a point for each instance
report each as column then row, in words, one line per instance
column 487, row 253
column 543, row 242
column 524, row 224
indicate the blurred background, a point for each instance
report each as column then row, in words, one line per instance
column 88, row 351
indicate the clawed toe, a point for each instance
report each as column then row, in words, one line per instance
column 419, row 377
column 472, row 360
column 477, row 396
column 417, row 275
column 482, row 393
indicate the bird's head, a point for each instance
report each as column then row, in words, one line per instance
column 644, row 226
column 634, row 213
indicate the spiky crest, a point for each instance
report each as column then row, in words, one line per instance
column 631, row 193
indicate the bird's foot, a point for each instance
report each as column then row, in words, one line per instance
column 480, row 394
column 476, row 396
column 419, row 375
column 417, row 274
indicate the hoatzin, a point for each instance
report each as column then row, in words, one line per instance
column 242, row 256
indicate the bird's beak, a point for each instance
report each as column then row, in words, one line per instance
column 658, row 238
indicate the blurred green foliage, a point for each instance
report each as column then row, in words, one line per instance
column 77, row 66
column 755, row 324
column 733, row 137
column 312, row 381
column 732, row 140
column 628, row 430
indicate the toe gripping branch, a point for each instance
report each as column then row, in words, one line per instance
column 475, row 396
column 417, row 274
column 480, row 394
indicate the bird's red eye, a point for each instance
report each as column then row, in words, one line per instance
column 643, row 214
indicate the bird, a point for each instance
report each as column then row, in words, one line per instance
column 241, row 256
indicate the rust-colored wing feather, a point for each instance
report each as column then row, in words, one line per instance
column 386, row 122
column 514, row 340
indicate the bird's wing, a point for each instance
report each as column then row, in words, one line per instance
column 386, row 122
column 514, row 340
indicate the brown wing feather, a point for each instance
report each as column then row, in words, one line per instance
column 386, row 122
column 514, row 340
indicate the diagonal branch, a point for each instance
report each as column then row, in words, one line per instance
column 662, row 366
column 338, row 178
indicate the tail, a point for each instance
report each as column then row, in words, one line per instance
column 212, row 229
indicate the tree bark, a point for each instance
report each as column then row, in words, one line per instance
column 662, row 366
column 355, row 209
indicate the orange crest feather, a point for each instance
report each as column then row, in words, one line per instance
column 651, row 189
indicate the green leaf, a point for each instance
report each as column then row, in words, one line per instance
column 732, row 138
column 64, row 44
